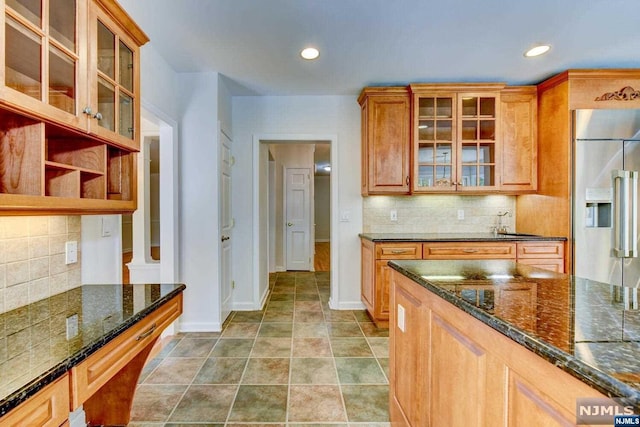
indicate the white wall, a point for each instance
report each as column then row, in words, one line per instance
column 322, row 115
column 322, row 191
column 199, row 236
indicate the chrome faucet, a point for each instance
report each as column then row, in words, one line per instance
column 500, row 228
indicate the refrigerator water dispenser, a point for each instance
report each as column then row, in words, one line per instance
column 598, row 214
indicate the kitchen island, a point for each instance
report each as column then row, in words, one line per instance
column 501, row 343
column 84, row 347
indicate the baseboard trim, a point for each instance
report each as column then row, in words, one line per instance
column 345, row 305
column 200, row 327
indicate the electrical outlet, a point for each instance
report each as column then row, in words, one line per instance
column 71, row 252
column 394, row 215
column 401, row 317
column 72, row 326
column 460, row 214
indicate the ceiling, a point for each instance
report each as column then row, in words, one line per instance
column 256, row 43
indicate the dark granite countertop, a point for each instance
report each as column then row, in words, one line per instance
column 34, row 350
column 454, row 237
column 589, row 329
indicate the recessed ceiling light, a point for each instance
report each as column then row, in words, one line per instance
column 537, row 50
column 310, row 53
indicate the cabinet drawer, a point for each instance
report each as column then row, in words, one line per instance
column 552, row 264
column 88, row 376
column 399, row 251
column 49, row 407
column 541, row 250
column 466, row 250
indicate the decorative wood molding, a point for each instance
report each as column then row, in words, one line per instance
column 627, row 93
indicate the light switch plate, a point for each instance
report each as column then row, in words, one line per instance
column 71, row 252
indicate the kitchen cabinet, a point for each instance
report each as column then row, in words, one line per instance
column 386, row 151
column 49, row 407
column 518, row 139
column 459, row 369
column 69, row 104
column 557, row 97
column 376, row 274
column 455, row 133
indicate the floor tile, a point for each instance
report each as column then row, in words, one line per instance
column 380, row 346
column 307, row 297
column 278, row 316
column 276, row 330
column 232, row 347
column 309, row 316
column 286, row 306
column 282, row 297
column 267, row 371
column 339, row 316
column 313, row 371
column 316, row 403
column 241, row 330
column 359, row 371
column 350, row 347
column 205, row 403
column 311, row 347
column 310, row 330
column 260, row 403
column 176, row 370
column 384, row 364
column 271, row 347
column 308, row 306
column 221, row 370
column 148, row 368
column 248, row 317
column 155, row 402
column 366, row 403
column 193, row 347
column 344, row 329
column 185, row 425
column 370, row 330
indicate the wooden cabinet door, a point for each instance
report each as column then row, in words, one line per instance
column 367, row 289
column 48, row 408
column 409, row 338
column 385, row 139
column 114, row 76
column 383, row 283
column 469, row 250
column 519, row 123
column 43, row 65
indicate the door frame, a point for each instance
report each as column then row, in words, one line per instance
column 224, row 312
column 260, row 212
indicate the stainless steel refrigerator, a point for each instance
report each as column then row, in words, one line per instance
column 605, row 195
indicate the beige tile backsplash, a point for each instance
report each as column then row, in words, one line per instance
column 32, row 258
column 437, row 213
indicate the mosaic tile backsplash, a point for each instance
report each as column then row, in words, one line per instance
column 32, row 258
column 437, row 213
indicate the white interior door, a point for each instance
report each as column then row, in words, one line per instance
column 226, row 226
column 298, row 218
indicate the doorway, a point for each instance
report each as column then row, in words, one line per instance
column 270, row 256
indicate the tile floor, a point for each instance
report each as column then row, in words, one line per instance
column 297, row 363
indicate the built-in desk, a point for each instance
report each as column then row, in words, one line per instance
column 85, row 347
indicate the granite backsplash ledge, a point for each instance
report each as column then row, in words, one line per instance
column 437, row 213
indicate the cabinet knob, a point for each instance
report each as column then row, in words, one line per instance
column 87, row 110
column 407, row 181
column 97, row 116
column 289, row 224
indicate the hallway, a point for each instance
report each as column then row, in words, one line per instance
column 296, row 363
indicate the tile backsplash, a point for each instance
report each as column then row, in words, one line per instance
column 32, row 258
column 437, row 213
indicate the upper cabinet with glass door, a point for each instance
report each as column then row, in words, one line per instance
column 114, row 85
column 75, row 63
column 44, row 58
column 454, row 137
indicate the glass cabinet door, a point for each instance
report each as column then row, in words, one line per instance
column 435, row 142
column 41, row 52
column 477, row 134
column 114, row 92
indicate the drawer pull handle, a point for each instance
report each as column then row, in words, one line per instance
column 146, row 333
column 400, row 251
column 470, row 251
